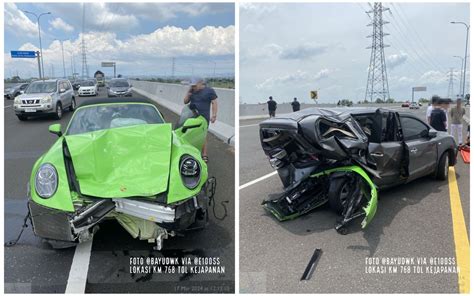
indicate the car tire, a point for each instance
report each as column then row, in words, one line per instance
column 339, row 192
column 22, row 117
column 443, row 167
column 59, row 111
column 73, row 105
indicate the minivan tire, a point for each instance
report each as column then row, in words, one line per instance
column 443, row 167
column 73, row 105
column 59, row 111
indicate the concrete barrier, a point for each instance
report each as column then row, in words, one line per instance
column 171, row 96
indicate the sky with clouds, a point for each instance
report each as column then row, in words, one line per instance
column 142, row 38
column 286, row 50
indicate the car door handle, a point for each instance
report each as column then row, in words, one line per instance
column 414, row 150
column 377, row 154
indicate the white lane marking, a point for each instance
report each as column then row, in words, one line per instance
column 248, row 125
column 7, row 106
column 76, row 283
column 257, row 180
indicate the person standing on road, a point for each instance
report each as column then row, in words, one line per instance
column 444, row 104
column 295, row 104
column 456, row 120
column 434, row 101
column 438, row 117
column 272, row 106
column 204, row 98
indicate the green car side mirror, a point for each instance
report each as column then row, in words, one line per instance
column 56, row 129
column 191, row 123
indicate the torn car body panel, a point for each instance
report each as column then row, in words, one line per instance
column 372, row 198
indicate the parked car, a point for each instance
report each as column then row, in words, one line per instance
column 118, row 159
column 15, row 90
column 119, row 87
column 88, row 88
column 406, row 104
column 343, row 156
column 414, row 105
column 48, row 97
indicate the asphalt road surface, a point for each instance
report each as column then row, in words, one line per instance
column 33, row 267
column 412, row 220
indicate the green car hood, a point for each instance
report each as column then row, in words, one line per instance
column 122, row 162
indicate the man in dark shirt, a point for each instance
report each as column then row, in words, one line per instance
column 272, row 106
column 204, row 98
column 438, row 118
column 296, row 105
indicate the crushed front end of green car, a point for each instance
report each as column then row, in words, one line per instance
column 130, row 166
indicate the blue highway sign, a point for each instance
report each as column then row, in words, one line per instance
column 23, row 54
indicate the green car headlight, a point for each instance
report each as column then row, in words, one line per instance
column 46, row 181
column 190, row 171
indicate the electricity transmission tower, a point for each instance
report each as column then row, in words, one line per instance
column 450, row 85
column 172, row 67
column 377, row 80
column 85, row 69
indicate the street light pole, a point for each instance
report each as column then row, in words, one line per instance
column 460, row 76
column 62, row 51
column 39, row 34
column 64, row 63
column 465, row 57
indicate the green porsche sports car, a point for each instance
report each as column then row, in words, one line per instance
column 118, row 159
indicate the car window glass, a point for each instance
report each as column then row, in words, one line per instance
column 99, row 117
column 369, row 125
column 389, row 127
column 119, row 83
column 413, row 128
column 41, row 87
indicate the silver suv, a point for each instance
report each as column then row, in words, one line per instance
column 45, row 98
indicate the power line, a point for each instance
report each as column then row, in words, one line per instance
column 425, row 48
column 416, row 41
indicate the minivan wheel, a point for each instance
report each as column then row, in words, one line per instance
column 339, row 193
column 22, row 117
column 73, row 105
column 443, row 167
column 59, row 111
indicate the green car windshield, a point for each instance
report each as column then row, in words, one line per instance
column 107, row 116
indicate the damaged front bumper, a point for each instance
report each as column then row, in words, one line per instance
column 315, row 191
column 142, row 218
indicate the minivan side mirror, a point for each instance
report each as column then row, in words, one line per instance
column 432, row 133
column 55, row 129
column 191, row 123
